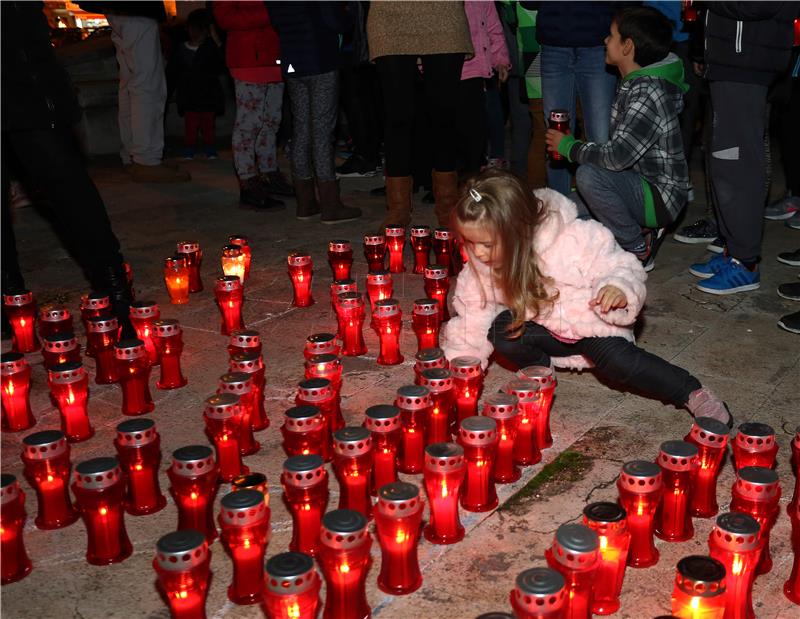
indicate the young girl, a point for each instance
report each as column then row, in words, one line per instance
column 542, row 287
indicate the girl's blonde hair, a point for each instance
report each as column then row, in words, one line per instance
column 503, row 202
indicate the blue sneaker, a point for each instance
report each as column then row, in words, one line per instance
column 732, row 277
column 188, row 153
column 211, row 153
column 704, row 270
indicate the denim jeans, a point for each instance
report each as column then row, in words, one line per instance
column 581, row 71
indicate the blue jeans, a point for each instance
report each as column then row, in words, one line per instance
column 568, row 72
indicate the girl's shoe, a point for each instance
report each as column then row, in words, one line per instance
column 188, row 153
column 211, row 153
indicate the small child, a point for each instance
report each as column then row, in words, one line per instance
column 543, row 286
column 638, row 182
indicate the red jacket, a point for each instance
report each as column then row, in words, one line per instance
column 251, row 40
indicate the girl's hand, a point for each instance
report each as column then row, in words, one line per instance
column 502, row 73
column 553, row 139
column 608, row 298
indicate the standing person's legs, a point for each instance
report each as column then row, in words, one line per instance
column 191, row 123
column 558, row 92
column 396, row 74
column 206, row 120
column 520, row 125
column 537, row 151
column 267, row 135
column 124, row 102
column 596, row 87
column 12, row 274
column 691, row 99
column 471, row 125
column 299, row 95
column 246, row 127
column 495, row 119
column 790, row 138
column 324, row 98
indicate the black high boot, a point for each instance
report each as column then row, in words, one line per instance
column 113, row 280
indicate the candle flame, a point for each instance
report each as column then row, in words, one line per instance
column 246, row 542
column 445, row 491
column 344, row 568
column 137, row 467
column 401, row 536
column 22, row 322
column 695, row 603
column 306, row 452
column 307, row 507
column 738, row 564
column 103, row 511
column 193, row 496
column 49, row 478
column 181, row 595
column 70, row 397
column 603, row 543
column 293, row 611
column 10, row 388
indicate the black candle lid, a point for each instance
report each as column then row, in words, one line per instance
column 444, row 457
column 9, row 488
column 413, row 397
column 701, row 576
column 243, row 507
column 343, row 529
column 577, row 538
column 604, row 511
column 44, row 445
column 136, row 432
column 478, row 430
column 290, row 573
column 352, row 441
column 181, row 550
column 97, row 473
column 540, row 581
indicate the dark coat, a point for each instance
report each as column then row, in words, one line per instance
column 574, row 24
column 251, row 40
column 195, row 74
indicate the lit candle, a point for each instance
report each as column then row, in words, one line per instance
column 398, row 516
column 321, row 344
column 540, row 593
column 229, row 295
column 244, row 341
column 182, row 564
column 384, row 422
column 16, row 376
column 574, row 553
column 735, row 542
column 478, row 437
column 143, row 314
column 47, row 468
column 608, row 520
column 319, row 392
column 293, row 586
column 247, row 252
column 223, row 416
column 679, row 465
column 305, row 494
column 439, row 382
column 545, row 376
column 69, row 387
column 176, row 279
column 94, row 304
column 63, row 347
column 443, row 248
column 103, row 334
column 444, row 474
column 503, row 408
column 425, row 321
column 791, row 588
column 253, row 365
column 21, row 313
column 134, row 376
column 15, row 565
column 468, row 385
column 194, row 258
column 640, row 490
column 754, row 445
column 375, row 252
column 387, row 320
column 301, row 271
column 329, row 366
column 437, row 285
column 252, row 481
column 340, row 286
column 689, row 11
column 414, row 402
column 795, row 462
column 193, row 475
column 304, row 432
column 241, row 384
column 351, row 321
column 340, row 258
column 699, row 591
column 527, row 450
column 233, row 262
column 352, row 464
column 711, row 438
column 428, row 359
column 395, row 243
column 380, row 285
column 168, row 342
column 53, row 319
column 138, row 446
column 421, row 244
column 757, row 492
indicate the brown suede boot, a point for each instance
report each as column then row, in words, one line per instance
column 307, row 205
column 398, row 201
column 333, row 211
column 445, row 191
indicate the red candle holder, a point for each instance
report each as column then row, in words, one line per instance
column 233, row 262
column 428, row 359
column 99, row 489
column 319, row 392
column 94, row 304
column 168, row 341
column 305, row 494
column 223, row 416
column 437, row 285
column 253, row 365
column 791, row 588
column 445, row 469
column 387, row 321
column 194, row 258
column 439, row 382
column 340, row 286
column 193, row 475
column 527, row 450
column 414, row 402
column 16, row 564
column 241, row 384
column 384, row 421
column 301, row 271
column 395, row 243
column 247, row 252
column 608, row 520
column 183, row 566
column 176, row 279
column 245, row 341
column 351, row 322
column 21, row 313
column 143, row 314
column 321, row 344
column 304, row 432
column 16, row 375
column 795, row 462
column 575, row 554
column 47, row 468
column 352, row 465
column 421, row 244
column 340, row 258
column 757, row 492
column 640, row 490
column 329, row 366
column 443, row 239
column 244, row 522
column 503, row 408
column 252, row 481
column 102, row 336
column 54, row 320
column 734, row 541
column 64, row 347
column 540, row 593
column 229, row 295
column 134, row 377
column 689, row 12
column 398, row 520
column 138, row 446
column 711, row 438
column 69, row 386
column 679, row 465
column 344, row 557
column 380, row 286
column 293, row 586
column 425, row 321
column 468, row 385
column 754, row 445
column 545, row 376
column 478, row 437
column 699, row 591
column 375, row 252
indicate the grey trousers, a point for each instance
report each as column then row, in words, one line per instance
column 315, row 103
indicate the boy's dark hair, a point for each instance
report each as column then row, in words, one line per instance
column 199, row 19
column 649, row 29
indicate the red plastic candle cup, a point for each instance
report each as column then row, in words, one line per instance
column 64, row 347
column 223, row 416
column 94, row 304
column 102, row 335
column 425, row 322
column 527, row 450
column 443, row 248
column 385, row 423
column 247, row 251
column 757, row 492
column 193, row 475
column 244, row 522
column 437, row 285
column 640, row 490
column 143, row 314
column 344, row 557
column 398, row 520
column 380, row 285
column 183, row 566
column 329, row 366
column 539, row 593
column 699, row 591
column 445, row 469
column 608, row 521
column 711, row 438
column 395, row 243
column 375, row 252
column 129, row 277
column 253, row 365
column 305, row 494
column 69, row 386
column 301, row 271
column 16, row 564
column 478, row 437
column 304, row 432
column 428, row 359
column 338, row 287
column 245, row 341
column 439, row 382
column 252, row 481
column 21, row 313
column 575, row 554
column 352, row 465
column 387, row 320
column 293, row 585
column 134, row 377
column 503, row 408
column 194, row 258
column 168, row 339
column 545, row 376
column 468, row 385
column 241, row 384
column 321, row 344
column 351, row 323
column 319, row 392
column 176, row 279
column 233, row 262
column 734, row 541
column 754, row 445
column 16, row 375
column 690, row 12
column 53, row 319
column 679, row 465
column 229, row 295
column 47, row 468
column 414, row 402
column 421, row 244
column 99, row 488
column 138, row 446
column 340, row 258
column 791, row 588
column 795, row 461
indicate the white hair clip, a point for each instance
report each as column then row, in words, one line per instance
column 475, row 195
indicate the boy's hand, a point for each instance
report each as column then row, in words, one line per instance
column 608, row 298
column 553, row 139
column 502, row 73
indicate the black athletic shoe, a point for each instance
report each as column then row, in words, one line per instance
column 701, row 231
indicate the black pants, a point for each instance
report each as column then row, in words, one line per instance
column 790, row 138
column 360, row 96
column 442, row 73
column 615, row 359
column 472, row 125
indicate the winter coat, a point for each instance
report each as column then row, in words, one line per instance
column 581, row 256
column 488, row 40
column 251, row 40
column 573, row 24
column 196, row 76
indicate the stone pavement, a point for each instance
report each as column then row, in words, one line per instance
column 731, row 343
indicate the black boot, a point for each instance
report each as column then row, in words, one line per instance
column 113, row 281
column 254, row 194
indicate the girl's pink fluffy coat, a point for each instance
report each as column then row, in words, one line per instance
column 581, row 256
column 488, row 40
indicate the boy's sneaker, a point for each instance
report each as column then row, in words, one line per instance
column 792, row 258
column 783, row 208
column 701, row 231
column 731, row 278
column 653, row 240
column 356, row 165
column 710, row 268
column 717, row 246
column 188, row 153
column 211, row 153
column 794, row 221
column 790, row 291
column 790, row 322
